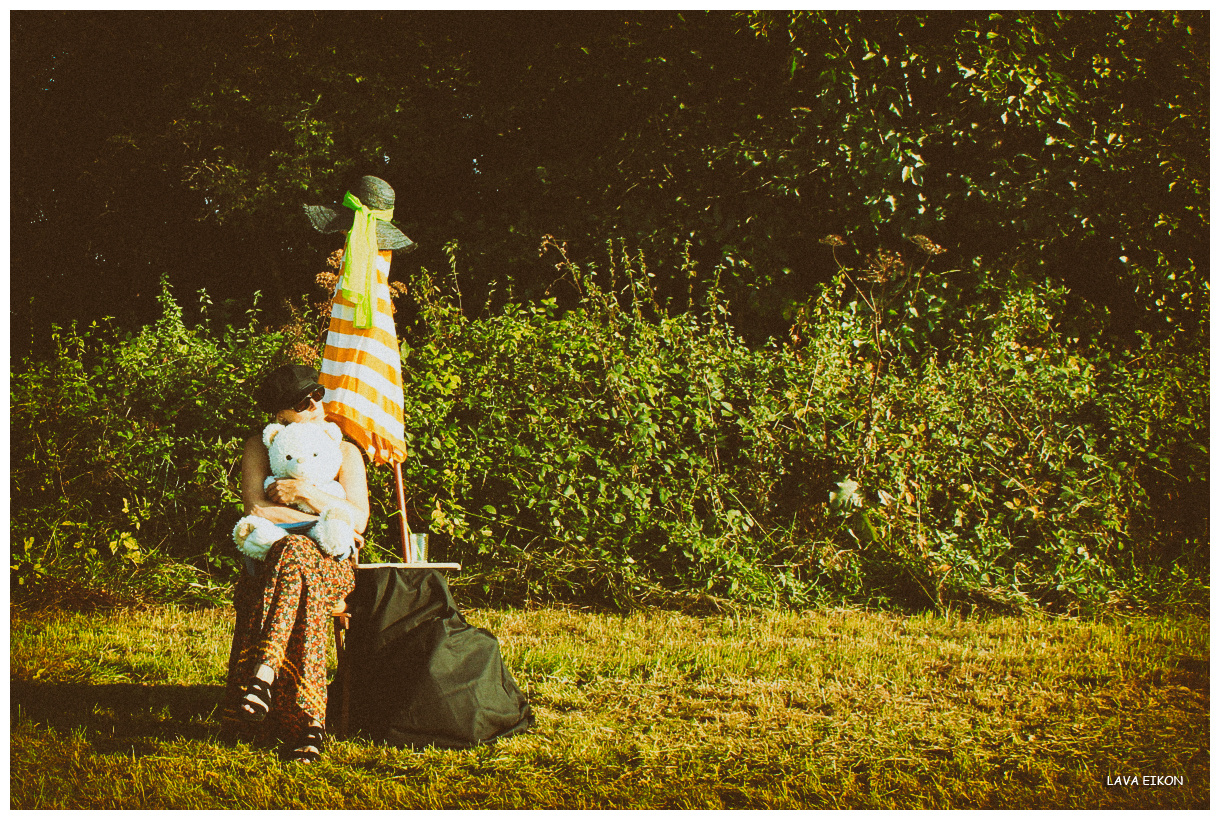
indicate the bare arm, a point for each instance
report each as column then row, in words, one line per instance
column 355, row 483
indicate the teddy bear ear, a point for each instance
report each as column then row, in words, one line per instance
column 270, row 432
column 333, row 430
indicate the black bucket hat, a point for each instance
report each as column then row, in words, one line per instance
column 373, row 192
column 285, row 386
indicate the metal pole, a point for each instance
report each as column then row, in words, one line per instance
column 402, row 510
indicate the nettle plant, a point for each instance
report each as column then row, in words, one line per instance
column 921, row 437
column 905, row 445
column 584, row 454
column 131, row 460
column 975, row 468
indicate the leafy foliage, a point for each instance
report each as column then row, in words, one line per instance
column 1071, row 142
column 619, row 452
column 131, row 456
column 1016, row 414
column 1008, row 131
column 905, row 444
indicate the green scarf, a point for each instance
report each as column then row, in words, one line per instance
column 360, row 258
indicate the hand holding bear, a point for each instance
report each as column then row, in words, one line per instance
column 305, row 460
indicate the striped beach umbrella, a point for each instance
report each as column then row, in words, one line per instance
column 362, row 373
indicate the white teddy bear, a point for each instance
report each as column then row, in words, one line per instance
column 310, row 451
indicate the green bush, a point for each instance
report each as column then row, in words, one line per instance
column 125, row 454
column 906, row 445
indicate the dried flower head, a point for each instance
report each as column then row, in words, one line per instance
column 328, row 278
column 927, row 245
column 396, row 289
column 304, row 353
column 883, row 266
column 833, row 240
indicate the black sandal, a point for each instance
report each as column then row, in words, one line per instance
column 309, row 747
column 255, row 701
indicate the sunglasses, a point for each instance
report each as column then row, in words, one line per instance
column 303, row 404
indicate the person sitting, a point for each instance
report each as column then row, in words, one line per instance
column 276, row 688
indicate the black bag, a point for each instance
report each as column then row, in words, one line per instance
column 420, row 675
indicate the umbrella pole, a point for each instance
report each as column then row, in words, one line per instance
column 402, row 510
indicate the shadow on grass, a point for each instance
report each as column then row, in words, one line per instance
column 131, row 718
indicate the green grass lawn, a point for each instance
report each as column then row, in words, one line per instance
column 826, row 709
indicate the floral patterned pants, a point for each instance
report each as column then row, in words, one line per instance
column 283, row 620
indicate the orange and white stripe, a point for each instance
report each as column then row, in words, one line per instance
column 361, row 371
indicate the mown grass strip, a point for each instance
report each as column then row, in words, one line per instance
column 829, row 709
